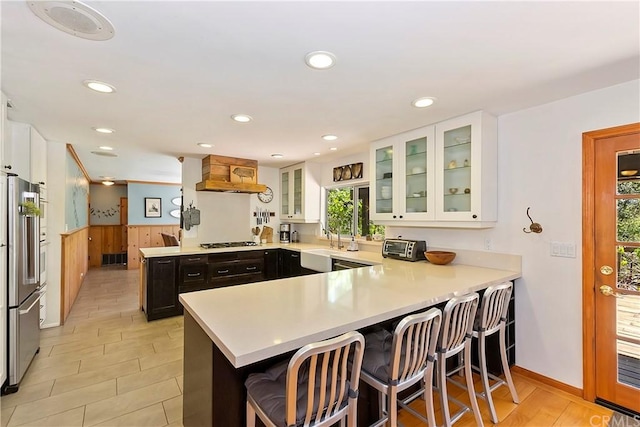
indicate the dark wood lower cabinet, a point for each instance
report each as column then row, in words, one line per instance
column 161, row 299
column 168, row 276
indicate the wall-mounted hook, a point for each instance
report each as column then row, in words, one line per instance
column 534, row 227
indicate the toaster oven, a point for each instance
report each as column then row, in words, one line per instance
column 408, row 250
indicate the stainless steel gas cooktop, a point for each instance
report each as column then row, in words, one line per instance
column 227, row 244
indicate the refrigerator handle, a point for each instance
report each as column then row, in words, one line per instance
column 31, row 250
column 21, row 312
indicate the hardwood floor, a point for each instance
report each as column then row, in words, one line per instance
column 107, row 366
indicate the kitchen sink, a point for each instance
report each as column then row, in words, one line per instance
column 317, row 259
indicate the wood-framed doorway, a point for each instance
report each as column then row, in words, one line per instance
column 589, row 142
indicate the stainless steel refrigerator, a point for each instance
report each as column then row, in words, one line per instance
column 23, row 241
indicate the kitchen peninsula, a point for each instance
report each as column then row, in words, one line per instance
column 233, row 331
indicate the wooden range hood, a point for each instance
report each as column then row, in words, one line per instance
column 230, row 175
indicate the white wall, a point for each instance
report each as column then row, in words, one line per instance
column 56, row 193
column 539, row 165
column 225, row 217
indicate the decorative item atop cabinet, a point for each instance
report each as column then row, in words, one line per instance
column 443, row 175
column 300, row 193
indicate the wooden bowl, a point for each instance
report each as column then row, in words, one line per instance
column 440, row 257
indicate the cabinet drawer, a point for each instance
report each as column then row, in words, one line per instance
column 222, row 269
column 193, row 273
column 241, row 279
column 194, row 259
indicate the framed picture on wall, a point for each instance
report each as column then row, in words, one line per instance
column 152, row 207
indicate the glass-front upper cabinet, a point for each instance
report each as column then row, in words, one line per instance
column 383, row 191
column 284, row 193
column 403, row 172
column 466, row 168
column 300, row 193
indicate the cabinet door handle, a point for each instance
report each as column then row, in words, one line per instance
column 193, row 274
column 251, row 268
column 394, row 216
column 7, row 167
column 223, row 271
column 400, row 216
column 164, row 262
column 295, row 256
column 474, row 216
column 193, row 259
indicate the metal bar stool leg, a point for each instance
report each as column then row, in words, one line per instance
column 251, row 415
column 442, row 388
column 428, row 396
column 484, row 375
column 392, row 407
column 505, row 365
column 469, row 376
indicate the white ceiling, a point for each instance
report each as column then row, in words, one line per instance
column 182, row 68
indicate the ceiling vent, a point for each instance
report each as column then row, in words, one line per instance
column 75, row 18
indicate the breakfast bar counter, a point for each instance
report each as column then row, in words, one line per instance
column 231, row 332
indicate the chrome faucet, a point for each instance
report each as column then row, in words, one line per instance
column 330, row 237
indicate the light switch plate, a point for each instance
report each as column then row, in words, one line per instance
column 563, row 249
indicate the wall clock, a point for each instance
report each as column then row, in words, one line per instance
column 266, row 196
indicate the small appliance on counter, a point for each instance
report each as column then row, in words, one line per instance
column 285, row 233
column 408, row 250
column 294, row 237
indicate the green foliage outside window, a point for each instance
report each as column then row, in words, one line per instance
column 629, row 231
column 340, row 210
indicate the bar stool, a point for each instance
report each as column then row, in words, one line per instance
column 492, row 318
column 455, row 337
column 289, row 394
column 394, row 362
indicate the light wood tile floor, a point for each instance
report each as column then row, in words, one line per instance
column 107, row 366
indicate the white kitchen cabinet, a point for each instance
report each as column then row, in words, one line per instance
column 38, row 158
column 437, row 176
column 26, row 153
column 402, row 174
column 467, row 170
column 300, row 193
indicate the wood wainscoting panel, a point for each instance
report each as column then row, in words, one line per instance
column 75, row 264
column 145, row 236
column 105, row 240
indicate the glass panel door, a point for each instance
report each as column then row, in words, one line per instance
column 457, row 170
column 297, row 192
column 284, row 188
column 384, row 180
column 628, row 269
column 416, row 175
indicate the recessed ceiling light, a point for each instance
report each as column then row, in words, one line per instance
column 108, row 183
column 242, row 118
column 204, row 145
column 106, row 148
column 320, row 60
column 277, row 156
column 99, row 86
column 316, row 154
column 333, row 148
column 103, row 130
column 329, row 137
column 423, row 102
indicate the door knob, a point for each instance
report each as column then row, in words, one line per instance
column 606, row 270
column 608, row 291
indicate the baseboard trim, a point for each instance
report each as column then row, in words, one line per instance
column 49, row 325
column 546, row 380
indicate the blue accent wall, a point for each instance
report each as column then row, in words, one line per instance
column 136, row 195
column 76, row 210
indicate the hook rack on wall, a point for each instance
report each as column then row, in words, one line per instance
column 534, row 227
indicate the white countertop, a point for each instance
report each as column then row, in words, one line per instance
column 256, row 321
column 163, row 251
